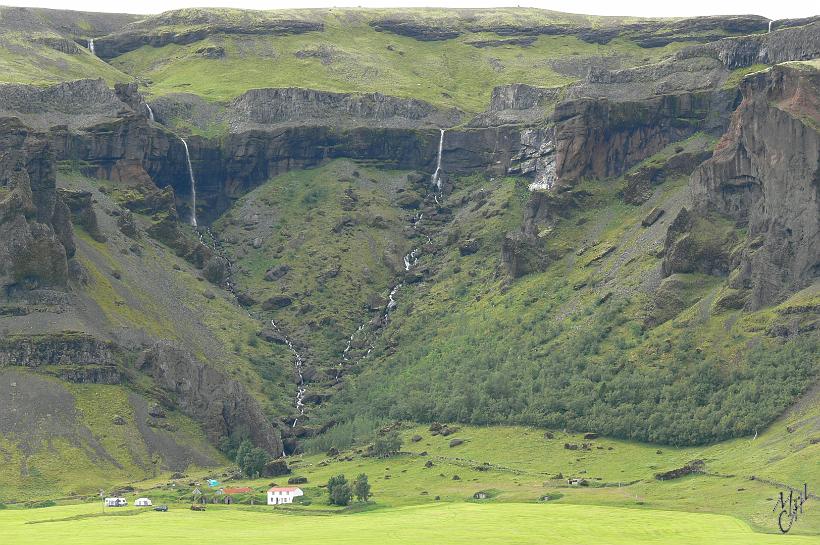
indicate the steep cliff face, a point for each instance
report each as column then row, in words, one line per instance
column 311, row 107
column 789, row 44
column 765, row 177
column 79, row 103
column 72, row 357
column 36, row 240
column 222, row 405
column 599, row 138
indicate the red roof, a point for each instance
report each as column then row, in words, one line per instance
column 283, row 489
column 243, row 490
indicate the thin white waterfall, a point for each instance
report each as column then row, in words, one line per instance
column 770, row 25
column 436, row 174
column 193, row 182
column 91, row 46
column 150, row 112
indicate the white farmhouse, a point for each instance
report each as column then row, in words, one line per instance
column 143, row 502
column 283, row 494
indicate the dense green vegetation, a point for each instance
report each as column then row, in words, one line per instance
column 573, row 346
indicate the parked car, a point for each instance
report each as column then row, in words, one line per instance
column 162, row 508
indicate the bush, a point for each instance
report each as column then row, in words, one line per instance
column 339, row 491
column 361, row 488
column 387, row 444
column 251, row 460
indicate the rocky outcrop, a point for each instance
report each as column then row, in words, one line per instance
column 82, row 211
column 599, row 138
column 36, row 239
column 535, row 158
column 765, row 176
column 663, row 78
column 184, row 27
column 73, row 357
column 789, row 44
column 517, row 103
column 57, row 349
column 275, row 107
column 425, row 32
column 640, row 183
column 75, row 104
column 222, row 405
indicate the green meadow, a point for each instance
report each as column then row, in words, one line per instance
column 446, row 523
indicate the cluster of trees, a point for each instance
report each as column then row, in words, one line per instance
column 600, row 371
column 250, row 459
column 342, row 492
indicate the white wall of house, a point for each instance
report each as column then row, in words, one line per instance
column 279, row 497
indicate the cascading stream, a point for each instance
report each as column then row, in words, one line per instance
column 297, row 365
column 91, row 46
column 150, row 112
column 410, row 260
column 192, row 181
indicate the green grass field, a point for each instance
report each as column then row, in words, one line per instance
column 445, row 523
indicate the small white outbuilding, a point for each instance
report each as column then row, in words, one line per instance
column 283, row 494
column 143, row 502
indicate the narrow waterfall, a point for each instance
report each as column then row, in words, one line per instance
column 436, row 174
column 770, row 25
column 193, row 183
column 91, row 46
column 300, row 384
column 150, row 112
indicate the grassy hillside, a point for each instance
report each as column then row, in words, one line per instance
column 599, row 341
column 351, row 56
column 132, row 282
column 38, row 47
column 79, row 449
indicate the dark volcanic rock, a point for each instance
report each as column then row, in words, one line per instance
column 193, row 25
column 82, row 212
column 599, row 138
column 523, row 254
column 419, row 31
column 789, row 44
column 222, row 405
column 260, row 107
column 36, row 238
column 277, row 302
column 764, row 176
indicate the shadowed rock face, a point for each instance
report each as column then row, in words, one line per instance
column 765, row 175
column 598, row 138
column 221, row 404
column 36, row 239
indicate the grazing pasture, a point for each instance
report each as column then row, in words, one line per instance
column 462, row 523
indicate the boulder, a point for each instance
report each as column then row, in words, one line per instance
column 277, row 302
